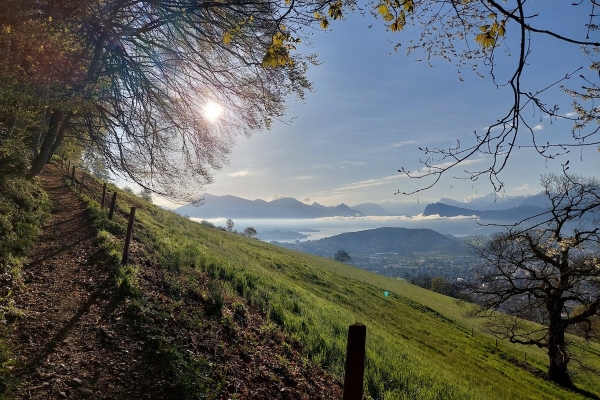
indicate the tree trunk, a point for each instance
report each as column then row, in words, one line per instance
column 60, row 136
column 42, row 157
column 52, row 139
column 559, row 357
column 38, row 136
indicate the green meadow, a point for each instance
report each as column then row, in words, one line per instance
column 420, row 344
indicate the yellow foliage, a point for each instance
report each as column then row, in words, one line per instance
column 383, row 10
column 324, row 23
column 231, row 33
column 394, row 10
column 490, row 33
column 399, row 23
column 278, row 54
column 335, row 10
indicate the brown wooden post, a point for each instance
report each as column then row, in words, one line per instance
column 112, row 205
column 103, row 195
column 82, row 179
column 355, row 362
column 69, row 166
column 73, row 176
column 128, row 236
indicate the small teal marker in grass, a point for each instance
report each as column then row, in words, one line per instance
column 385, row 294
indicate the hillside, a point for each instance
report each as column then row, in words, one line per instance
column 82, row 326
column 226, row 316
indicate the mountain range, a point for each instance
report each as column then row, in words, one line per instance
column 488, row 208
column 236, row 207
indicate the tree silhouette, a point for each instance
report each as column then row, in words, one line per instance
column 546, row 270
column 342, row 256
column 250, row 232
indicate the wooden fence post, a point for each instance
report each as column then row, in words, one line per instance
column 103, row 196
column 128, row 236
column 112, row 205
column 355, row 362
column 82, row 179
column 73, row 176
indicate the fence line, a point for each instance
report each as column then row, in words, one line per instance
column 355, row 350
column 97, row 190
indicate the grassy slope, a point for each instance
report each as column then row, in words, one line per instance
column 419, row 344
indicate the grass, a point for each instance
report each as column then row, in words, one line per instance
column 420, row 344
column 24, row 208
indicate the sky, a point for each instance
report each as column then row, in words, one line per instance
column 372, row 108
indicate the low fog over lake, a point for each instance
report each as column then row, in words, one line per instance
column 318, row 228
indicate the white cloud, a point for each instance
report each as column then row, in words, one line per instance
column 503, row 126
column 400, row 144
column 538, row 127
column 388, row 219
column 276, row 197
column 303, row 178
column 438, row 167
column 392, row 178
column 344, row 164
column 571, row 114
column 371, row 182
column 240, row 174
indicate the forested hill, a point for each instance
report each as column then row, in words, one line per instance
column 381, row 240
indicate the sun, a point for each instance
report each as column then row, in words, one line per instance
column 212, row 111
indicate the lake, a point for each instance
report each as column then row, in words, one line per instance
column 319, row 228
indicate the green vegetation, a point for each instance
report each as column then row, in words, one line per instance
column 420, row 345
column 24, row 208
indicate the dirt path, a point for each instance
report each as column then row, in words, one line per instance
column 79, row 338
column 73, row 340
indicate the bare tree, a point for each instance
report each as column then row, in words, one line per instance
column 545, row 270
column 133, row 80
column 497, row 39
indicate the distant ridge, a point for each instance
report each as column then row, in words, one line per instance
column 236, row 207
column 493, row 202
column 381, row 240
column 510, row 215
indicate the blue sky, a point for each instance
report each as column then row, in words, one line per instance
column 373, row 107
